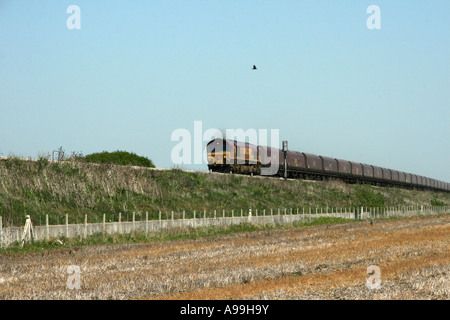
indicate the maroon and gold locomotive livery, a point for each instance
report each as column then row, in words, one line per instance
column 227, row 156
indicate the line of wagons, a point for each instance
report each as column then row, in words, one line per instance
column 227, row 156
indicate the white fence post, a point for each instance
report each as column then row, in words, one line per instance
column 1, row 232
column 85, row 226
column 47, row 228
column 104, row 223
column 67, row 226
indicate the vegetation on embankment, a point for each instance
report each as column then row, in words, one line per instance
column 75, row 188
column 120, row 158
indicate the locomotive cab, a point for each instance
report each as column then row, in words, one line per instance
column 232, row 156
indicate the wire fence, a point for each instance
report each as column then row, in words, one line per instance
column 146, row 223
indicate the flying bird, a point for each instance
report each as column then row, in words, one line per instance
column 254, row 67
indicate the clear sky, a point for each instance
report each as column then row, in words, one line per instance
column 138, row 70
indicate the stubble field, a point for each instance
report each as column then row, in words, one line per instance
column 316, row 262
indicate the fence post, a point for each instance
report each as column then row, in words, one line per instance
column 85, row 225
column 57, row 226
column 67, row 226
column 1, row 232
column 134, row 222
column 47, row 228
column 146, row 222
column 120, row 222
column 104, row 223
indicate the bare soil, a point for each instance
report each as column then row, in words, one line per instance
column 319, row 262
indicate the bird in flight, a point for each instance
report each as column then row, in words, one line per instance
column 254, row 67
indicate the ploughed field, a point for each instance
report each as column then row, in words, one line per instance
column 316, row 262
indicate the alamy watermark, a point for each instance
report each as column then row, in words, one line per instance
column 190, row 150
column 374, row 281
column 74, row 279
column 374, row 20
column 74, row 20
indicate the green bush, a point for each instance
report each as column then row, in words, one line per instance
column 119, row 157
column 366, row 197
column 42, row 163
column 436, row 202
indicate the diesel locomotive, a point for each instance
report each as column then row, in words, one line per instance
column 231, row 156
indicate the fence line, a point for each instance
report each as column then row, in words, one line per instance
column 11, row 234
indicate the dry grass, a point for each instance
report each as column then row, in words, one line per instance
column 75, row 188
column 321, row 262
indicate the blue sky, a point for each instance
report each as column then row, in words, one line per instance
column 138, row 70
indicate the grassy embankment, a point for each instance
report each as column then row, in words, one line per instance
column 79, row 188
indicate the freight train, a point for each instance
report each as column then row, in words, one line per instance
column 231, row 156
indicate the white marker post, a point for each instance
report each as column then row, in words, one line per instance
column 28, row 230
